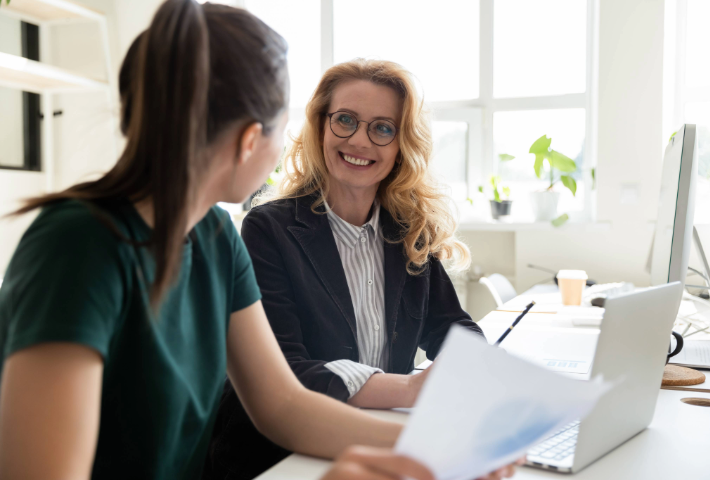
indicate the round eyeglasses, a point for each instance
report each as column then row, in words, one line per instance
column 345, row 124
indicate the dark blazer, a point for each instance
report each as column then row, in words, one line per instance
column 307, row 300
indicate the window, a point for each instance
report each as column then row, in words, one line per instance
column 20, row 113
column 690, row 97
column 488, row 92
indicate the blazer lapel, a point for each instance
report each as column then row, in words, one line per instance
column 317, row 241
column 395, row 272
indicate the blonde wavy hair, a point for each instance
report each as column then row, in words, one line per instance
column 409, row 193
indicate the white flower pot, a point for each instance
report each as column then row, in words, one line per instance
column 544, row 205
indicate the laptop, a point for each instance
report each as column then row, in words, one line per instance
column 631, row 353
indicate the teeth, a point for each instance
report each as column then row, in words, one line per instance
column 355, row 161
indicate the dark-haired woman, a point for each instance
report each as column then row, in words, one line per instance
column 128, row 297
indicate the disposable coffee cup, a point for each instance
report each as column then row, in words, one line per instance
column 571, row 283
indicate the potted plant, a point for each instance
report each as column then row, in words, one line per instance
column 499, row 207
column 544, row 203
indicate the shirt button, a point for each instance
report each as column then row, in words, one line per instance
column 369, row 282
column 363, row 239
column 350, row 384
column 377, row 327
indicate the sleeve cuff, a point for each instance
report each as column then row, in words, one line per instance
column 353, row 374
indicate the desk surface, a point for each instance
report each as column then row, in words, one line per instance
column 674, row 446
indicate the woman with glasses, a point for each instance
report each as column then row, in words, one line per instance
column 348, row 253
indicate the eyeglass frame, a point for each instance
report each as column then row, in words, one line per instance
column 367, row 130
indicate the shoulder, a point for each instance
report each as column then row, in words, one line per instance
column 74, row 223
column 281, row 211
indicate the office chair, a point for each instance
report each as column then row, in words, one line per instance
column 499, row 287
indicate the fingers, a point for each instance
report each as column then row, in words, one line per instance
column 504, row 472
column 346, row 470
column 384, row 462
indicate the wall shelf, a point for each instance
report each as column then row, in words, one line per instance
column 29, row 75
column 49, row 11
column 46, row 79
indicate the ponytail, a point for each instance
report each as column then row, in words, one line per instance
column 195, row 71
column 169, row 124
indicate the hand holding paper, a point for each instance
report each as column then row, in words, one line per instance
column 481, row 409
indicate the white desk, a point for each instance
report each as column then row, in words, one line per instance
column 675, row 446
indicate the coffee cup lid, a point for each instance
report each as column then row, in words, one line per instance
column 572, row 274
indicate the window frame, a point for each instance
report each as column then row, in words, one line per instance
column 31, row 112
column 480, row 111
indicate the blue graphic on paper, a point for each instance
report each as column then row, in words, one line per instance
column 514, row 425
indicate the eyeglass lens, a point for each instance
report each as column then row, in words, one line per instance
column 381, row 132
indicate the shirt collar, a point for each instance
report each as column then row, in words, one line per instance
column 348, row 232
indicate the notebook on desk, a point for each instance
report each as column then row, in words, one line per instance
column 695, row 354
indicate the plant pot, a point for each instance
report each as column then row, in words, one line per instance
column 500, row 209
column 544, row 205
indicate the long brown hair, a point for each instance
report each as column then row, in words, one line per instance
column 410, row 193
column 197, row 70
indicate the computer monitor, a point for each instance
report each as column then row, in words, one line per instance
column 676, row 209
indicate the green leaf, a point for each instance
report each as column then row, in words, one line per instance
column 561, row 162
column 480, row 189
column 594, row 178
column 559, row 221
column 496, row 195
column 504, row 157
column 539, row 158
column 570, row 183
column 541, row 145
column 672, row 135
column 270, row 181
column 469, row 200
column 506, row 191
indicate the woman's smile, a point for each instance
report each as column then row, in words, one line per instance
column 355, row 161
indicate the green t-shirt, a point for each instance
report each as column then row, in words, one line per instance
column 72, row 280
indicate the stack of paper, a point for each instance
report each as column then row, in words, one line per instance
column 481, row 408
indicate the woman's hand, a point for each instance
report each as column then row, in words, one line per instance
column 369, row 463
column 505, row 472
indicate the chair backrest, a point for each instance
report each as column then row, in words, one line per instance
column 499, row 286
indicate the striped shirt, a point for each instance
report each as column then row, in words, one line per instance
column 361, row 251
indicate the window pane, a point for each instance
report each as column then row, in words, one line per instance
column 539, row 47
column 436, row 41
column 299, row 23
column 11, row 115
column 515, row 132
column 697, row 68
column 449, row 158
column 702, row 192
column 699, row 114
column 12, row 153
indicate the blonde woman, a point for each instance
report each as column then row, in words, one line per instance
column 348, row 254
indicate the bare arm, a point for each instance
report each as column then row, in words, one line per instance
column 284, row 410
column 50, row 401
column 389, row 390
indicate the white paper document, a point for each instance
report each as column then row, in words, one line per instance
column 481, row 408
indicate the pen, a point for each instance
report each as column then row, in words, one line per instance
column 517, row 320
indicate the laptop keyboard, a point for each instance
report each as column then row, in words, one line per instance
column 559, row 445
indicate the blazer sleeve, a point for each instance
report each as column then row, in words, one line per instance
column 444, row 310
column 282, row 309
